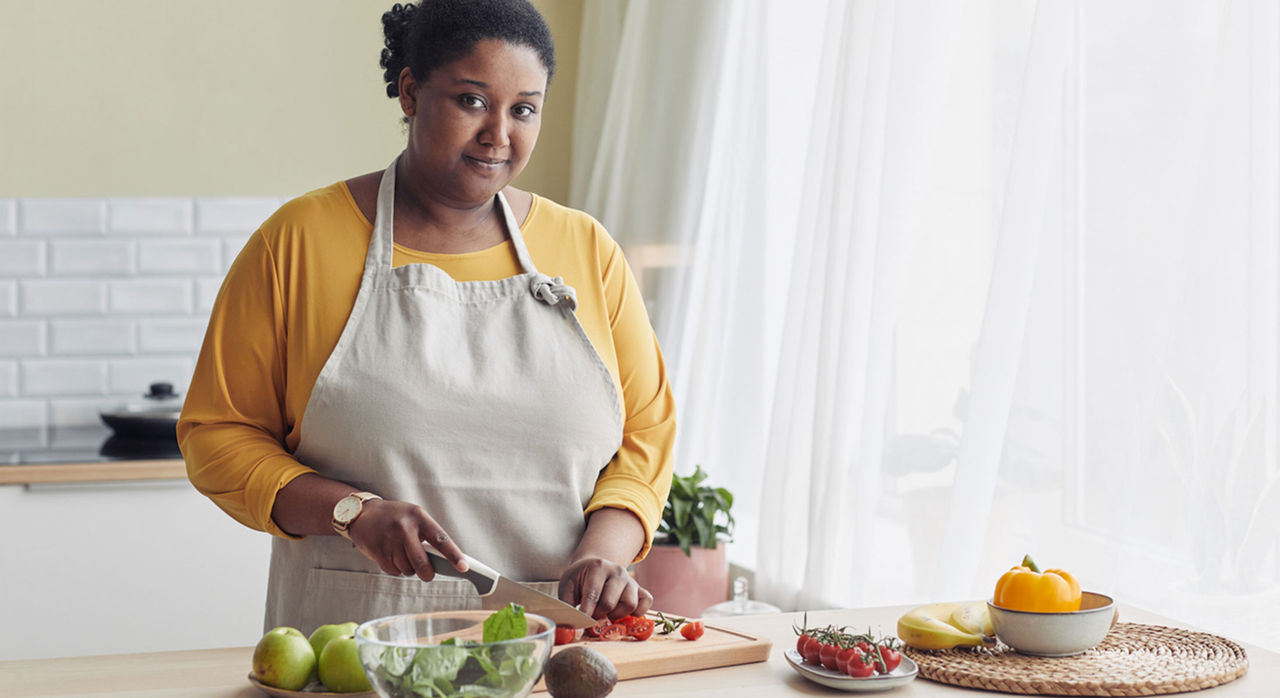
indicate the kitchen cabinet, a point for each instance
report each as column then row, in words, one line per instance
column 132, row 565
column 222, row 673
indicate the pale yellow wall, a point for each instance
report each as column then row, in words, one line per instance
column 222, row 98
column 548, row 171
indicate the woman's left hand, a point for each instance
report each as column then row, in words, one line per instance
column 602, row 589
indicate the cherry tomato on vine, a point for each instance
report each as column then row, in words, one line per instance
column 842, row 659
column 692, row 630
column 891, row 658
column 801, row 642
column 860, row 665
column 827, row 655
column 810, row 651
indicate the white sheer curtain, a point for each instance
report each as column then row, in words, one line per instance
column 942, row 284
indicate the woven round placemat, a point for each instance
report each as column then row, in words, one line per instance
column 1133, row 660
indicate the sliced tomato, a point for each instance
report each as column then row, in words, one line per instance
column 692, row 630
column 639, row 628
column 565, row 634
column 595, row 631
column 612, row 631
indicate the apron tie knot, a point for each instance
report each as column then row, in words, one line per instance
column 552, row 291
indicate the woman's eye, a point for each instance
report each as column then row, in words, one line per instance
column 524, row 110
column 471, row 101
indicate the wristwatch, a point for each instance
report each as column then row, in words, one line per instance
column 347, row 509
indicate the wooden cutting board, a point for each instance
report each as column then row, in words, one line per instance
column 672, row 654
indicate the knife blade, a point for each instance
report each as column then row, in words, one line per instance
column 496, row 591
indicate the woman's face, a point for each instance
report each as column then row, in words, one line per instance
column 473, row 123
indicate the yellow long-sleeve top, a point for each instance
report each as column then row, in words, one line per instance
column 284, row 304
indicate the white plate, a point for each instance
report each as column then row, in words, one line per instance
column 315, row 689
column 904, row 673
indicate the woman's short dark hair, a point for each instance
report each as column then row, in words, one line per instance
column 432, row 33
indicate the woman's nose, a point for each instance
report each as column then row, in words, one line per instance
column 496, row 131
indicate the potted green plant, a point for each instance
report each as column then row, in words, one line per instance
column 687, row 570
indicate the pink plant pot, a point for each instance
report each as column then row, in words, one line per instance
column 685, row 585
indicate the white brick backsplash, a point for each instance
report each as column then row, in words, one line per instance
column 21, row 257
column 179, row 257
column 184, row 335
column 62, row 217
column 91, row 337
column 134, row 376
column 84, row 411
column 63, row 377
column 23, row 414
column 63, row 297
column 91, row 257
column 206, row 293
column 8, row 298
column 151, row 296
column 8, row 379
column 22, row 337
column 8, row 217
column 150, row 217
column 100, row 297
column 239, row 216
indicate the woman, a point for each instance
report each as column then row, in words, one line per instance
column 445, row 389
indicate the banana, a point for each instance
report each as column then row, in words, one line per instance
column 934, row 627
column 972, row 617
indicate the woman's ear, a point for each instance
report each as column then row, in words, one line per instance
column 408, row 92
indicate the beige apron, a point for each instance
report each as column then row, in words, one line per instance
column 484, row 402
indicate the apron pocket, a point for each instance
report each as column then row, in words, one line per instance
column 337, row 596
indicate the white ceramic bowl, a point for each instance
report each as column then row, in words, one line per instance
column 1055, row 634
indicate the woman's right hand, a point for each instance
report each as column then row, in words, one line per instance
column 392, row 533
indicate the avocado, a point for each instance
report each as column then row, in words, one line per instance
column 580, row 672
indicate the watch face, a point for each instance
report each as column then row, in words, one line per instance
column 346, row 509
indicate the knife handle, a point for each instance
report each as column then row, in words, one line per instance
column 481, row 576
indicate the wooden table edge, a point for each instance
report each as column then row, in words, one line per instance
column 110, row 471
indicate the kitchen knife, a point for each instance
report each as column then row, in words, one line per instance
column 496, row 591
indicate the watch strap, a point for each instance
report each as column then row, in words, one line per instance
column 341, row 527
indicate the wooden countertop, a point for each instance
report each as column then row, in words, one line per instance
column 107, row 471
column 222, row 673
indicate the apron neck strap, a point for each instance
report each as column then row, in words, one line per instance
column 381, row 245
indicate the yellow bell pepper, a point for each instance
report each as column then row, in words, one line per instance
column 1026, row 588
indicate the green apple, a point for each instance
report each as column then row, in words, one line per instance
column 323, row 634
column 284, row 659
column 340, row 667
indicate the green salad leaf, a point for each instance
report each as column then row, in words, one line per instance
column 507, row 624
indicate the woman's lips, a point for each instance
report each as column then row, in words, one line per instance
column 485, row 164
